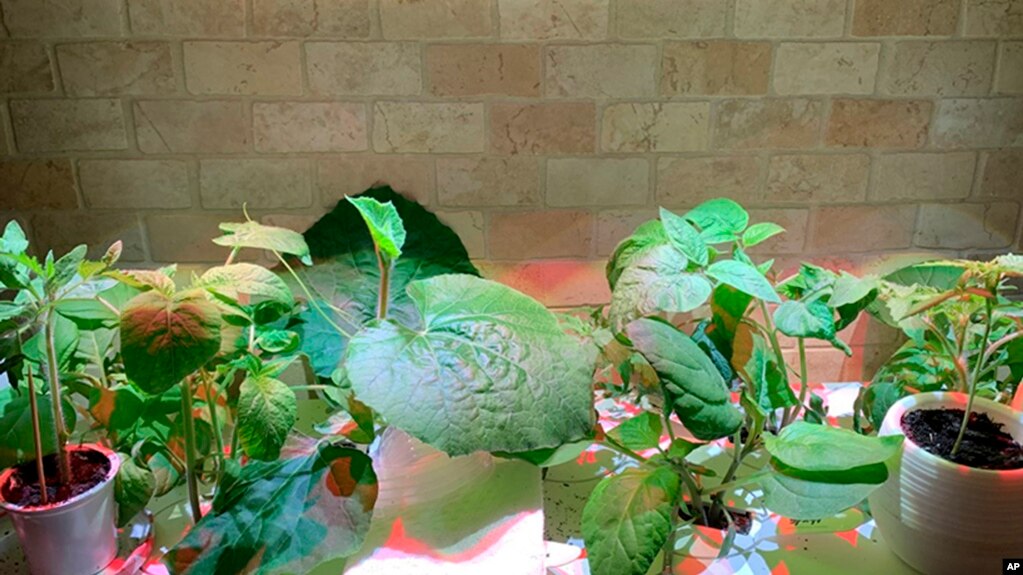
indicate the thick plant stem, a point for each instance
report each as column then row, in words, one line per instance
column 37, row 437
column 694, row 493
column 668, row 566
column 385, row 286
column 189, row 427
column 53, row 375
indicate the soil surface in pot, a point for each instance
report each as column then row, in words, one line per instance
column 88, row 469
column 716, row 519
column 985, row 445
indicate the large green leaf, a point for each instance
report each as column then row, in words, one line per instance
column 164, row 338
column 384, row 224
column 685, row 237
column 347, row 273
column 627, row 520
column 810, row 447
column 490, row 370
column 647, row 236
column 284, row 516
column 656, row 282
column 87, row 314
column 941, row 275
column 258, row 236
column 17, row 441
column 243, row 278
column 640, row 432
column 800, row 499
column 744, row 278
column 720, row 220
column 697, row 391
column 267, row 410
column 805, row 319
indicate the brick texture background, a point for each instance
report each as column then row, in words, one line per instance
column 543, row 131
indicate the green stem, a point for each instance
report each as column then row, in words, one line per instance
column 37, row 435
column 737, row 455
column 803, row 383
column 623, row 450
column 63, row 462
column 211, row 404
column 725, row 487
column 189, row 428
column 694, row 492
column 385, row 286
column 981, row 358
column 668, row 566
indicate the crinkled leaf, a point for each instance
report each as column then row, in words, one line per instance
column 759, row 233
column 285, row 516
column 800, row 499
column 165, row 338
column 720, row 220
column 656, row 282
column 133, row 488
column 490, row 370
column 384, row 225
column 17, row 443
column 640, row 432
column 684, row 237
column 811, row 447
column 769, row 379
column 695, row 387
column 267, row 409
column 13, row 241
column 744, row 278
column 347, row 273
column 647, row 236
column 258, row 236
column 627, row 520
column 243, row 278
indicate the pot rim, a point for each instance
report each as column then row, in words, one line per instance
column 892, row 424
column 115, row 465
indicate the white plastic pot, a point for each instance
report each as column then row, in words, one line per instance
column 73, row 537
column 944, row 518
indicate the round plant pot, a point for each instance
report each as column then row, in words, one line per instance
column 73, row 537
column 942, row 517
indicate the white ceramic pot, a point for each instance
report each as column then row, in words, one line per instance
column 74, row 537
column 944, row 518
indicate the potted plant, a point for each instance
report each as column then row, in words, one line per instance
column 954, row 501
column 724, row 376
column 61, row 498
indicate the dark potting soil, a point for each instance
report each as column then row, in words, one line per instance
column 985, row 445
column 88, row 469
column 716, row 519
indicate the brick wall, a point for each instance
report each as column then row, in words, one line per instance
column 542, row 130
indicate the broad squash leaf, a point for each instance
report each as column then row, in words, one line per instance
column 384, row 225
column 491, row 369
column 284, row 516
column 627, row 520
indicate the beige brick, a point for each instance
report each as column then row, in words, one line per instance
column 379, row 68
column 924, row 176
column 112, row 68
column 554, row 19
column 264, row 68
column 878, row 123
column 685, row 182
column 789, row 18
column 555, row 283
column 604, row 182
column 795, row 222
column 715, row 67
column 1003, row 174
column 60, row 125
column 546, row 234
column 335, row 18
column 349, row 175
column 428, row 127
column 769, row 123
column 435, row 19
column 513, row 181
column 818, row 178
column 473, row 69
column 186, row 238
column 37, row 184
column 470, row 227
column 1010, row 69
column 547, row 128
column 861, row 228
column 826, row 68
column 61, row 18
column 656, row 127
column 135, row 183
column 940, row 69
column 62, row 231
column 905, row 17
column 260, row 184
column 979, row 123
column 188, row 18
column 174, row 126
column 994, row 18
column 671, row 18
column 614, row 226
column 967, row 226
column 309, row 126
column 24, row 67
column 601, row 71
